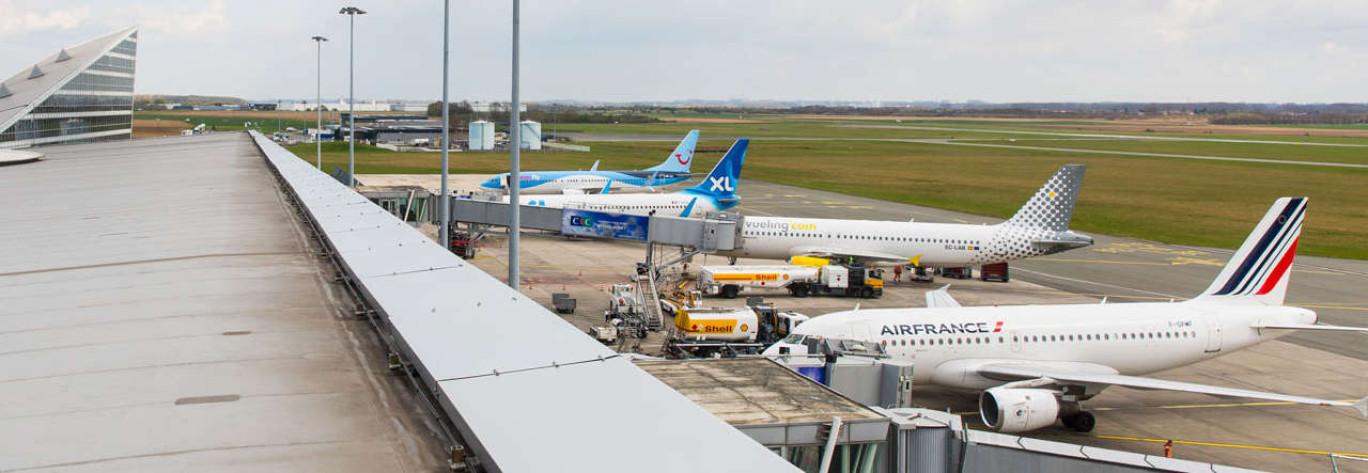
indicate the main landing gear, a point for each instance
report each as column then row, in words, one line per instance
column 1081, row 421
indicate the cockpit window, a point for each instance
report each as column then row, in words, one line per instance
column 794, row 339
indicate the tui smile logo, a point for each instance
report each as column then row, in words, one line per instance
column 684, row 159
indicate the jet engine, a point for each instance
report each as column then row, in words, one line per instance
column 1012, row 411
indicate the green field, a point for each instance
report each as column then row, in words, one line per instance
column 1169, row 200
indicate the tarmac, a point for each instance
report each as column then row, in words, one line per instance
column 1259, row 435
column 162, row 308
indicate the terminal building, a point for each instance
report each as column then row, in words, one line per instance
column 83, row 93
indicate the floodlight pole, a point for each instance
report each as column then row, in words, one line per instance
column 514, row 179
column 351, row 13
column 444, row 204
column 318, row 132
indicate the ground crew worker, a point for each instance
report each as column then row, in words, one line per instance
column 1168, row 449
column 897, row 273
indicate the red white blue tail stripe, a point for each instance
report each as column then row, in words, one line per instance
column 1260, row 266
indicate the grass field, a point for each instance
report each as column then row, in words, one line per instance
column 1168, row 200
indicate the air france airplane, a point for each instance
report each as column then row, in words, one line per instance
column 674, row 169
column 1041, row 227
column 1036, row 364
column 716, row 193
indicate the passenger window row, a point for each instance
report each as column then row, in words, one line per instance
column 1041, row 338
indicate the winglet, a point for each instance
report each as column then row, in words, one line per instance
column 607, row 187
column 689, row 209
column 1362, row 406
column 595, row 166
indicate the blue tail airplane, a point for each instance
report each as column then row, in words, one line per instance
column 674, row 169
column 717, row 192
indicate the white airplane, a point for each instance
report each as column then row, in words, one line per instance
column 716, row 193
column 1040, row 227
column 1036, row 364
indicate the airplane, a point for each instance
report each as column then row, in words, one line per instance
column 674, row 169
column 716, row 193
column 1034, row 364
column 1039, row 228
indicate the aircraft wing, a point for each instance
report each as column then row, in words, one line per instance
column 1066, row 377
column 832, row 252
column 941, row 298
column 1332, row 328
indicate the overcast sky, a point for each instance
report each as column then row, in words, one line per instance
column 626, row 50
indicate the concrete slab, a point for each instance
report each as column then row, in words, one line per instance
column 162, row 310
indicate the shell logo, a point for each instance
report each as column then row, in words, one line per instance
column 745, row 328
column 786, row 277
column 693, row 328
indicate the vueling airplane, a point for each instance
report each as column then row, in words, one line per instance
column 674, row 169
column 1041, row 227
column 716, row 193
column 1036, row 364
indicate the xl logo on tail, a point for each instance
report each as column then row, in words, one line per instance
column 721, row 184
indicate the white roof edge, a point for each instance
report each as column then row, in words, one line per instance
column 453, row 321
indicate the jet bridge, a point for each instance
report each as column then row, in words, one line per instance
column 716, row 232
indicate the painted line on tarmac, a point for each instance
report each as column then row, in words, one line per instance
column 1103, row 135
column 1164, row 155
column 1233, row 445
column 1113, row 286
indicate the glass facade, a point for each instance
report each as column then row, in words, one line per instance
column 95, row 105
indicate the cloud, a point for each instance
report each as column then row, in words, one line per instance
column 13, row 20
column 179, row 22
column 1333, row 48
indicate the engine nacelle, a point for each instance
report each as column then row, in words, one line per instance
column 1018, row 410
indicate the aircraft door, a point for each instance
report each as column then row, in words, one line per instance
column 1213, row 334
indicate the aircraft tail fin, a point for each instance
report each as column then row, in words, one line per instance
column 1259, row 269
column 1052, row 206
column 682, row 157
column 725, row 177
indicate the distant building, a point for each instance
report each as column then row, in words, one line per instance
column 481, row 135
column 530, row 135
column 83, row 93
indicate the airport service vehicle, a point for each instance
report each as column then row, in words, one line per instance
column 775, row 325
column 716, row 193
column 808, row 276
column 675, row 169
column 1040, row 227
column 1037, row 364
column 728, row 281
column 723, row 324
